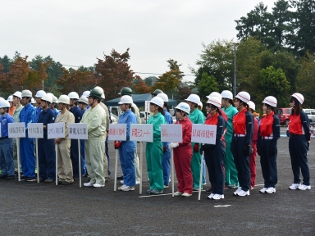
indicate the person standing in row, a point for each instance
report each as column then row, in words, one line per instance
column 154, row 150
column 38, row 108
column 12, row 107
column 17, row 96
column 196, row 117
column 299, row 143
column 183, row 152
column 83, row 103
column 65, row 173
column 241, row 142
column 268, row 134
column 215, row 153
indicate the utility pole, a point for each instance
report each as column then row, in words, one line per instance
column 234, row 52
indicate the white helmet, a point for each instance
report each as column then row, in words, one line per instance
column 270, row 100
column 4, row 104
column 64, row 99
column 183, row 106
column 227, row 94
column 55, row 99
column 17, row 94
column 101, row 90
column 215, row 94
column 126, row 99
column 243, row 96
column 86, row 94
column 299, row 97
column 10, row 98
column 157, row 101
column 26, row 93
column 251, row 105
column 73, row 95
column 83, row 99
column 193, row 98
column 33, row 101
column 52, row 96
column 40, row 94
column 200, row 104
column 47, row 98
column 163, row 96
column 215, row 101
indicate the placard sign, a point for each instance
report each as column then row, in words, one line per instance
column 56, row 130
column 172, row 133
column 16, row 130
column 35, row 130
column 141, row 133
column 78, row 131
column 147, row 106
column 117, row 132
column 204, row 134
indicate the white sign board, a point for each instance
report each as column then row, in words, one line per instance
column 56, row 130
column 16, row 130
column 204, row 134
column 78, row 131
column 35, row 130
column 141, row 133
column 172, row 133
column 117, row 132
column 147, row 106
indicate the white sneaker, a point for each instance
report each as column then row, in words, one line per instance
column 237, row 190
column 137, row 182
column 88, row 184
column 304, row 187
column 126, row 188
column 270, row 190
column 263, row 190
column 294, row 186
column 186, row 194
column 122, row 181
column 218, row 196
column 98, row 185
column 121, row 187
column 210, row 196
column 177, row 194
column 243, row 193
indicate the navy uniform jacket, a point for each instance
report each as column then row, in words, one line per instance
column 46, row 117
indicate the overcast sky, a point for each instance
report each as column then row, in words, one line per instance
column 76, row 32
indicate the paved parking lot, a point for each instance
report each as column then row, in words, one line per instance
column 46, row 209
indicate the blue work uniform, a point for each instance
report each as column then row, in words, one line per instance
column 27, row 115
column 74, row 152
column 46, row 148
column 38, row 110
column 166, row 152
column 127, row 150
column 6, row 147
column 56, row 112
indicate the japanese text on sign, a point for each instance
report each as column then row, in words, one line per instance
column 117, row 132
column 78, row 131
column 56, row 130
column 141, row 133
column 204, row 134
column 16, row 130
column 172, row 133
column 35, row 130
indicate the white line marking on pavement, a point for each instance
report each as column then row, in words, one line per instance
column 164, row 194
column 222, row 205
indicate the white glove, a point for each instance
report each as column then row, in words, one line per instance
column 174, row 145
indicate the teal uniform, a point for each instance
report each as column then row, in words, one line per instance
column 154, row 153
column 196, row 117
column 231, row 175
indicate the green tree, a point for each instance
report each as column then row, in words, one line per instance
column 207, row 84
column 6, row 62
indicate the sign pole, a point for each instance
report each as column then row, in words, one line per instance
column 37, row 162
column 172, row 173
column 140, row 167
column 80, row 174
column 116, row 163
column 56, row 151
column 18, row 157
column 200, row 178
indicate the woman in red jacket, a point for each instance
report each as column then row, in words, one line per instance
column 183, row 152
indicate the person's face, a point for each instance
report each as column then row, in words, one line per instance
column 264, row 108
column 179, row 114
column 43, row 104
column 292, row 102
column 152, row 107
column 24, row 100
column 122, row 107
column 2, row 111
column 38, row 100
column 237, row 102
column 91, row 101
column 15, row 100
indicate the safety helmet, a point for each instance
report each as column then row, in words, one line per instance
column 299, row 97
column 4, row 104
column 251, row 105
column 101, row 90
column 40, row 93
column 216, row 101
column 156, row 92
column 52, row 96
column 215, row 94
column 10, row 98
column 17, row 94
column 47, row 98
column 126, row 99
column 200, row 104
column 243, row 96
column 64, row 99
column 83, row 99
column 183, row 106
column 163, row 96
column 157, row 101
column 270, row 100
column 73, row 95
column 125, row 91
column 227, row 94
column 193, row 98
column 96, row 93
column 26, row 93
column 33, row 101
column 86, row 94
column 55, row 99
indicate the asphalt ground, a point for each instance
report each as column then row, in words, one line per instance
column 46, row 209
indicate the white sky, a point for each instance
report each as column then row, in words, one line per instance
column 76, row 32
